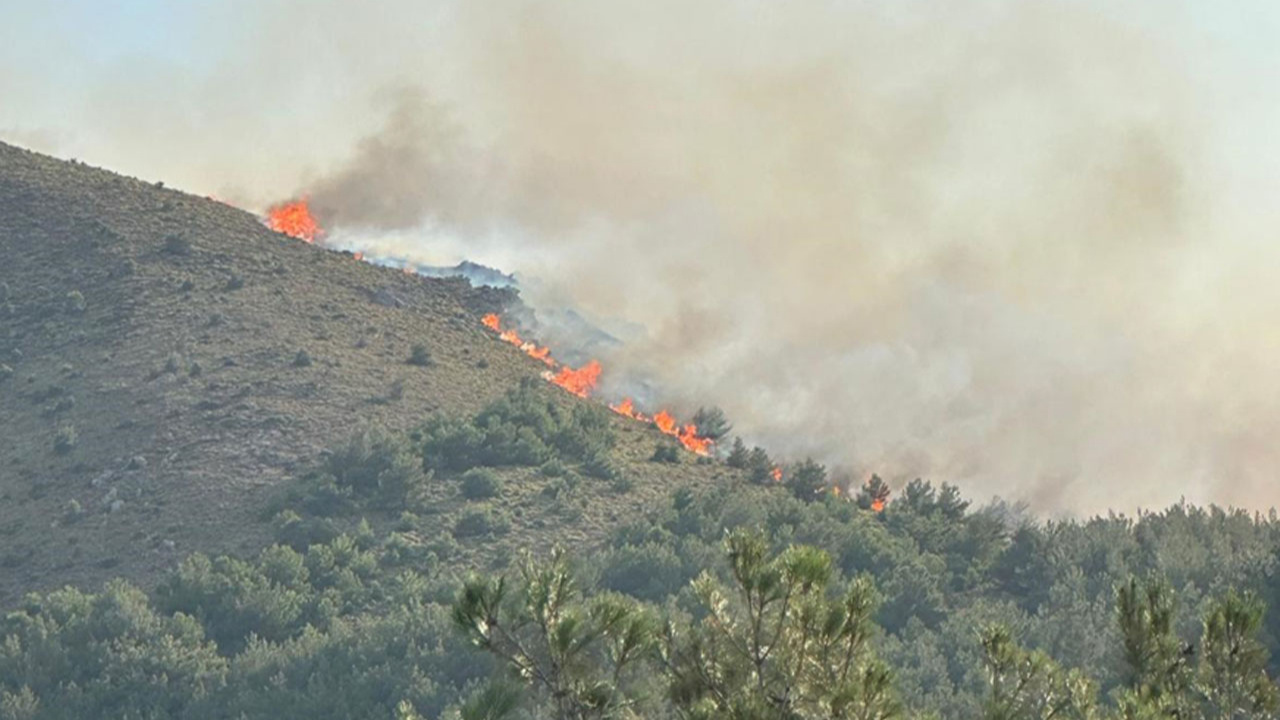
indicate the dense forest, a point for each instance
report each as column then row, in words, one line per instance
column 761, row 597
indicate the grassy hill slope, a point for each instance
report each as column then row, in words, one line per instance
column 168, row 361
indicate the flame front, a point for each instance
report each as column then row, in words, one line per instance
column 580, row 382
column 492, row 322
column 294, row 218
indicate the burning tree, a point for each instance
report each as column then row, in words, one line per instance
column 874, row 495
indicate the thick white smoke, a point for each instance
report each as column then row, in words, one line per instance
column 1017, row 246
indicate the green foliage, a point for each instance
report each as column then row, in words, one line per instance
column 575, row 654
column 75, row 302
column 374, row 465
column 483, row 520
column 1029, row 685
column 778, row 642
column 526, row 427
column 711, row 423
column 666, row 452
column 420, row 356
column 760, row 468
column 481, row 484
column 738, row 455
column 808, row 480
column 302, row 359
column 1232, row 676
column 65, row 439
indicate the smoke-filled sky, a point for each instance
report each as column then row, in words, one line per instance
column 1026, row 247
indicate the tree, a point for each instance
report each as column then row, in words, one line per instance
column 874, row 495
column 1029, row 685
column 738, row 455
column 1158, row 662
column 807, row 480
column 775, row 644
column 1232, row 675
column 711, row 423
column 573, row 653
column 760, row 469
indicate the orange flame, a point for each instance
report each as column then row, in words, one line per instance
column 627, row 408
column 580, row 382
column 777, row 474
column 543, row 354
column 294, row 218
column 687, row 435
column 877, row 505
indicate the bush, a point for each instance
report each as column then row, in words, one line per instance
column 177, row 245
column 553, row 468
column 65, row 440
column 375, row 465
column 600, row 465
column 621, row 484
column 75, row 302
column 420, row 356
column 302, row 359
column 480, row 484
column 666, row 452
column 481, row 521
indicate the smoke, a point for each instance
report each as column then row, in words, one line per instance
column 1021, row 247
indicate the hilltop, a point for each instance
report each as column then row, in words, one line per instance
column 169, row 363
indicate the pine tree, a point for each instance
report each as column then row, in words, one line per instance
column 738, row 455
column 776, row 645
column 1232, row 676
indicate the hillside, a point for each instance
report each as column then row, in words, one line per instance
column 171, row 363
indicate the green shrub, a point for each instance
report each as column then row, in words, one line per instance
column 177, row 245
column 666, row 452
column 481, row 484
column 622, row 484
column 600, row 465
column 64, row 441
column 482, row 520
column 75, row 302
column 420, row 356
column 375, row 465
column 302, row 359
column 553, row 468
column 300, row 533
column 738, row 456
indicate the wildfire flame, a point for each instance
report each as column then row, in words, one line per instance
column 777, row 474
column 580, row 382
column 877, row 505
column 492, row 322
column 294, row 218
